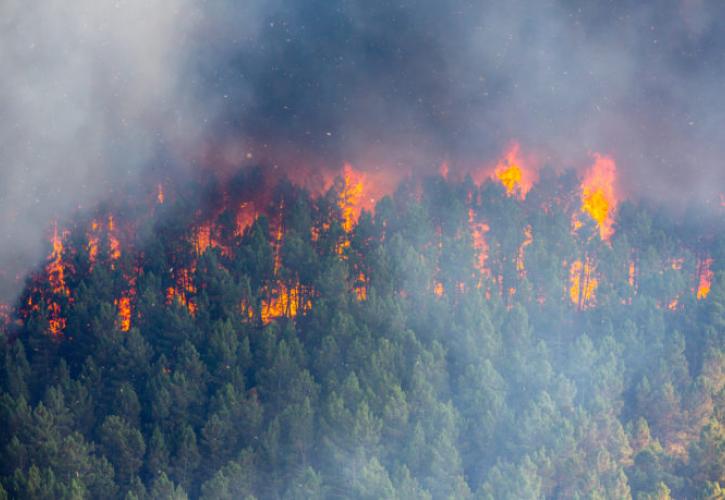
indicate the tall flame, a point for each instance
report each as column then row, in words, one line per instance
column 113, row 241
column 283, row 302
column 184, row 287
column 124, row 313
column 114, row 244
column 246, row 215
column 528, row 239
column 56, row 268
column 350, row 197
column 361, row 287
column 513, row 173
column 583, row 283
column 202, row 238
column 56, row 322
column 598, row 195
column 278, row 238
column 93, row 242
column 56, row 279
column 705, row 276
column 284, row 299
column 478, row 233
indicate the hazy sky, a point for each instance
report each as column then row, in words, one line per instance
column 94, row 93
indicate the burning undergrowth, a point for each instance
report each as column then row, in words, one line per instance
column 242, row 306
column 484, row 235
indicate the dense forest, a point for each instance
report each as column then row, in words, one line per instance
column 461, row 340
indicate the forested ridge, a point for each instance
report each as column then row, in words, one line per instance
column 456, row 342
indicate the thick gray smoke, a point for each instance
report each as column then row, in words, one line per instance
column 94, row 92
column 425, row 81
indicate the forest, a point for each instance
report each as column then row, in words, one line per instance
column 245, row 337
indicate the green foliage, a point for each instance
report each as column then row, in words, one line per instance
column 123, row 445
column 498, row 387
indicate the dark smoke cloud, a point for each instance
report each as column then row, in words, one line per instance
column 425, row 81
column 94, row 93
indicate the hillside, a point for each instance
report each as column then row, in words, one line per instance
column 497, row 338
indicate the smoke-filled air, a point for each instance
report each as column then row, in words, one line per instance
column 362, row 249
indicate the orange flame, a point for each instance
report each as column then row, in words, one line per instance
column 361, row 288
column 113, row 240
column 583, row 283
column 202, row 238
column 360, row 190
column 632, row 274
column 176, row 294
column 278, row 237
column 246, row 309
column 56, row 323
column 350, row 197
column 705, row 278
column 284, row 302
column 349, row 201
column 93, row 243
column 56, row 279
column 246, row 215
column 598, row 195
column 56, row 267
column 438, row 289
column 185, row 280
column 514, row 174
column 184, row 287
column 160, row 194
column 478, row 233
column 528, row 239
column 94, row 239
column 124, row 313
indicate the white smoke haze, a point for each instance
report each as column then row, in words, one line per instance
column 89, row 91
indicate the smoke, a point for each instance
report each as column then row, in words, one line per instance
column 89, row 94
column 384, row 84
column 96, row 93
